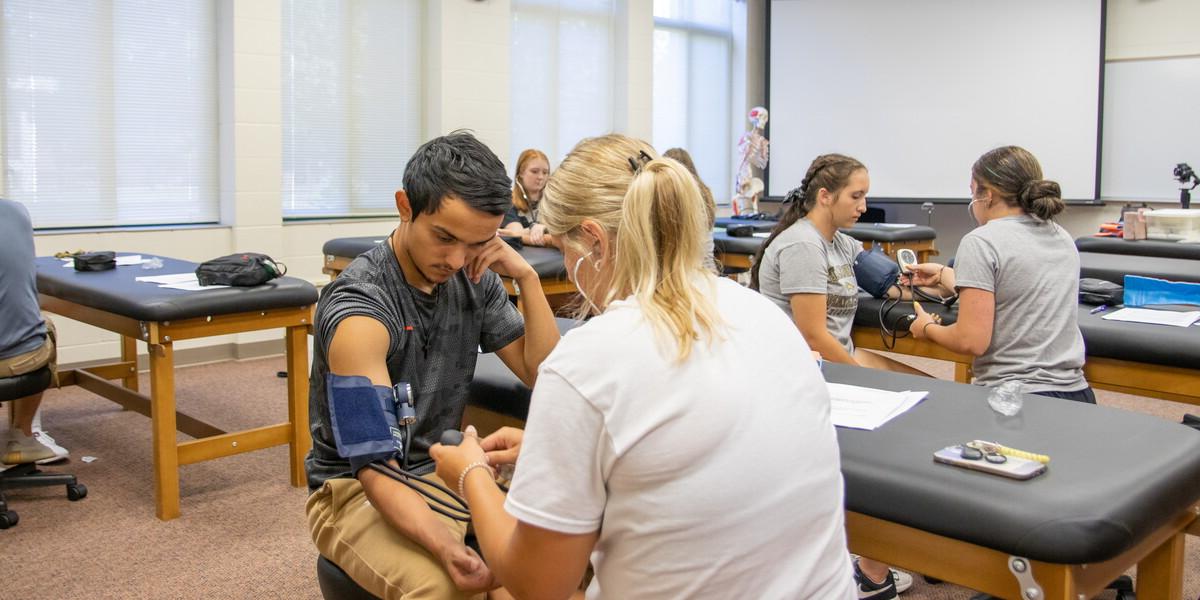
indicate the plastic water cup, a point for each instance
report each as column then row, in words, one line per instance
column 1006, row 398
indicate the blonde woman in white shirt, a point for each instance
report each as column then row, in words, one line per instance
column 640, row 450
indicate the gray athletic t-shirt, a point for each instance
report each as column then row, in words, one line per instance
column 23, row 329
column 800, row 261
column 1032, row 267
column 434, row 342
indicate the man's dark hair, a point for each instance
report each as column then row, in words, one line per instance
column 456, row 165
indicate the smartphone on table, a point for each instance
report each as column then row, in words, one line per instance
column 1013, row 467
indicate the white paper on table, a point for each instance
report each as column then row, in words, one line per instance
column 191, row 286
column 894, row 225
column 1154, row 317
column 172, row 279
column 859, row 407
column 762, row 234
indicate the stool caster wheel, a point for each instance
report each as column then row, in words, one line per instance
column 76, row 491
column 8, row 519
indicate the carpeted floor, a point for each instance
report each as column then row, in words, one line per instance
column 242, row 533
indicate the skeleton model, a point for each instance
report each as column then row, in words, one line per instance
column 754, row 149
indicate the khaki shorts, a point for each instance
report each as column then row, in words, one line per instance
column 348, row 531
column 33, row 360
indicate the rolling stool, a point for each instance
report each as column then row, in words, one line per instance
column 28, row 475
column 336, row 584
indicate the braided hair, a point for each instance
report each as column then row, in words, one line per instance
column 830, row 172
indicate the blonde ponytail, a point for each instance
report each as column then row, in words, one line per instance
column 659, row 223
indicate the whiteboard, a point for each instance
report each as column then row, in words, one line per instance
column 1151, row 123
column 919, row 89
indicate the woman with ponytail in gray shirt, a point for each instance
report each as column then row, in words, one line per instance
column 1017, row 276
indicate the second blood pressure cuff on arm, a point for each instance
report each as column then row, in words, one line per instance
column 362, row 416
column 875, row 272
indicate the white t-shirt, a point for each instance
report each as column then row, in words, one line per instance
column 715, row 478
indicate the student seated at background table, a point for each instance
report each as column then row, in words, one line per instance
column 418, row 309
column 1017, row 276
column 27, row 339
column 710, row 205
column 529, row 182
column 641, row 450
column 685, row 159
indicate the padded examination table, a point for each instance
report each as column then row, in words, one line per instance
column 889, row 237
column 114, row 301
column 1135, row 358
column 548, row 262
column 1159, row 248
column 1121, row 488
column 1114, row 267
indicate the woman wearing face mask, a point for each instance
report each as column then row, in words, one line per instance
column 529, row 181
column 640, row 448
column 1017, row 276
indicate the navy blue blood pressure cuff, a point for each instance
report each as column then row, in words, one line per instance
column 875, row 272
column 363, row 417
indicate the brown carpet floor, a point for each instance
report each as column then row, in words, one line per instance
column 242, row 533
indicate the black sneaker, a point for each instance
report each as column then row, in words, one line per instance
column 870, row 590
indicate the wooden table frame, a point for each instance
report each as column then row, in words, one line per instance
column 211, row 442
column 1142, row 379
column 1159, row 558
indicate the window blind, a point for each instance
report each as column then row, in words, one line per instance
column 692, row 86
column 110, row 111
column 562, row 74
column 351, row 104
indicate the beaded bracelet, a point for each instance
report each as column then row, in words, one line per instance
column 462, row 477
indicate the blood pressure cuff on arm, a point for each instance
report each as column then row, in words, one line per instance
column 875, row 272
column 363, row 417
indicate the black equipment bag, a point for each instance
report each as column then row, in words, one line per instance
column 103, row 260
column 244, row 269
column 1099, row 291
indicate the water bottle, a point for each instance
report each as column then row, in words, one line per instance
column 1006, row 398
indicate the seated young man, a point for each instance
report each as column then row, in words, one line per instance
column 26, row 339
column 416, row 310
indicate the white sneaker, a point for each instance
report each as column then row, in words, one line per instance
column 903, row 580
column 60, row 453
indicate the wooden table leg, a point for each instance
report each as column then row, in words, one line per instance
column 162, row 419
column 962, row 373
column 1160, row 574
column 129, row 354
column 296, row 340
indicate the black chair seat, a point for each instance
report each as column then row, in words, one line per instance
column 12, row 388
column 336, row 584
